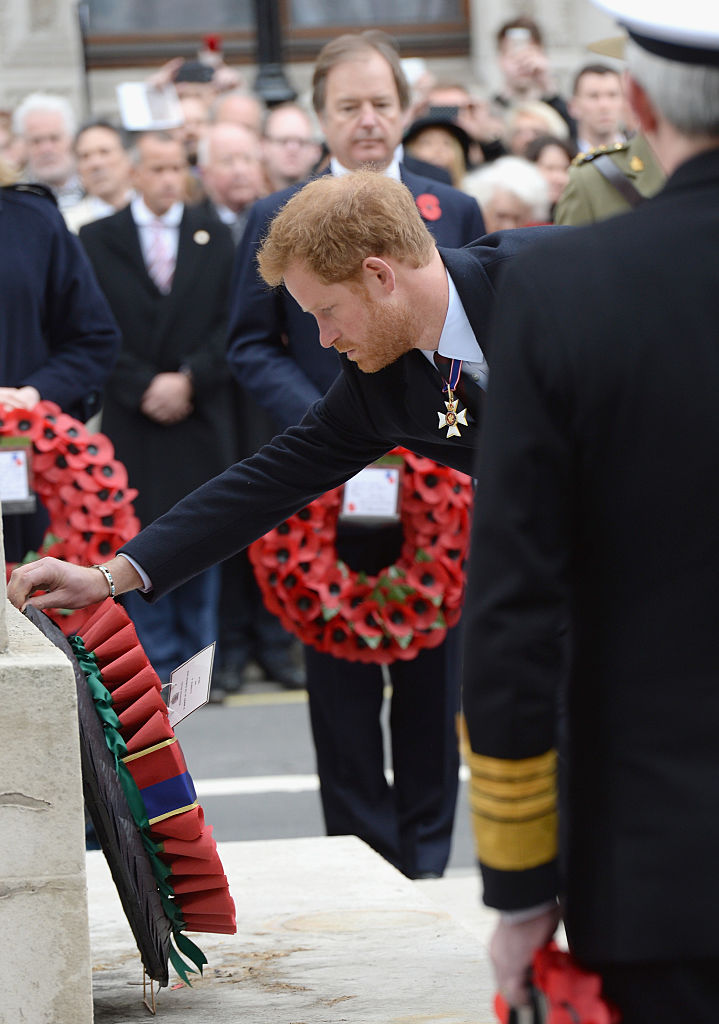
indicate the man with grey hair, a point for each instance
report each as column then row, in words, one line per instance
column 46, row 125
column 229, row 158
column 595, row 575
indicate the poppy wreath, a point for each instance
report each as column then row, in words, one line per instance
column 571, row 993
column 80, row 482
column 153, row 774
column 407, row 607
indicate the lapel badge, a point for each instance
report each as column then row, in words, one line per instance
column 201, row 237
column 636, row 163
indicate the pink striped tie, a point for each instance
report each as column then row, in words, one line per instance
column 160, row 265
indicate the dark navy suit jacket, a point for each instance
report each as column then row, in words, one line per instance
column 274, row 351
column 361, row 417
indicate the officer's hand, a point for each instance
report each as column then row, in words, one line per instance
column 512, row 950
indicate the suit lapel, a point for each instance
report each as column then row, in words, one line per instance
column 474, row 289
column 125, row 240
column 187, row 266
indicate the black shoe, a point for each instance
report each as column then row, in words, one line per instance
column 226, row 681
column 281, row 670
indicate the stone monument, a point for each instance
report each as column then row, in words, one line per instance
column 45, row 971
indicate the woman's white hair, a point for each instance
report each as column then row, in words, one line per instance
column 510, row 174
column 686, row 94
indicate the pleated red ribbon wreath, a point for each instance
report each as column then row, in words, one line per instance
column 86, row 493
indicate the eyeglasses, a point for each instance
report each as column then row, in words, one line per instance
column 290, row 140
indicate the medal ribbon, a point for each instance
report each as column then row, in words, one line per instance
column 450, row 369
column 455, row 370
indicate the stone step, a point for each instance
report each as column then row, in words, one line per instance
column 327, row 932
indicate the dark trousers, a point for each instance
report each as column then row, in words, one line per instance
column 682, row 992
column 179, row 624
column 409, row 822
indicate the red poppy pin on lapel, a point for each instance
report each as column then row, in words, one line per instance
column 428, row 206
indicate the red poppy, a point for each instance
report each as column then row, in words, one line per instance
column 431, row 637
column 396, row 619
column 338, row 638
column 432, row 487
column 19, row 423
column 367, row 620
column 428, row 206
column 424, row 611
column 428, row 578
column 353, row 597
column 333, row 585
column 99, row 449
column 109, row 474
column 305, row 605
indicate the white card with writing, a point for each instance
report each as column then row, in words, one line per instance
column 14, row 483
column 189, row 686
column 372, row 494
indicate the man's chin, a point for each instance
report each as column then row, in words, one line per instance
column 376, row 155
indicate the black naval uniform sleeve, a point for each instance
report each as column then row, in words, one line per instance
column 518, row 599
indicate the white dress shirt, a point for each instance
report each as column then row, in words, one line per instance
column 145, row 219
column 457, row 340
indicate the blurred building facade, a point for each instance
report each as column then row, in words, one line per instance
column 43, row 47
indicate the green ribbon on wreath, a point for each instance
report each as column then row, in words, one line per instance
column 118, row 748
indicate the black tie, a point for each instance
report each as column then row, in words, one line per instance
column 467, row 390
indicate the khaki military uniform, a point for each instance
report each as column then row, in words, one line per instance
column 590, row 196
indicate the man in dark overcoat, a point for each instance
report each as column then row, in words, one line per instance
column 165, row 269
column 595, row 569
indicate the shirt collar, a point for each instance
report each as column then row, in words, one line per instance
column 391, row 171
column 457, row 340
column 143, row 216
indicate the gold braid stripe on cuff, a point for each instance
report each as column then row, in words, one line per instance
column 514, row 810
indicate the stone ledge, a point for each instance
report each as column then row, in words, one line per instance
column 327, row 932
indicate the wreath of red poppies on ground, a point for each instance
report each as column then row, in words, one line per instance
column 81, row 484
column 407, row 607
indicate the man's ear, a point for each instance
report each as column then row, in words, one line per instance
column 376, row 273
column 640, row 104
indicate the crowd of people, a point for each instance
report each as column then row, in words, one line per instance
column 212, row 365
column 355, row 312
column 456, row 129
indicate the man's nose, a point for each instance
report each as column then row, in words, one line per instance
column 368, row 114
column 328, row 335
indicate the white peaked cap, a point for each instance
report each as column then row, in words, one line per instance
column 681, row 30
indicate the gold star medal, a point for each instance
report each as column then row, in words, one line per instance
column 454, row 417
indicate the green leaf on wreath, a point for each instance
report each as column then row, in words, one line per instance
column 422, row 556
column 372, row 641
column 329, row 613
column 404, row 641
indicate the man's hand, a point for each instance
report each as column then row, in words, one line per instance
column 68, row 585
column 19, row 398
column 168, row 399
column 512, row 949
